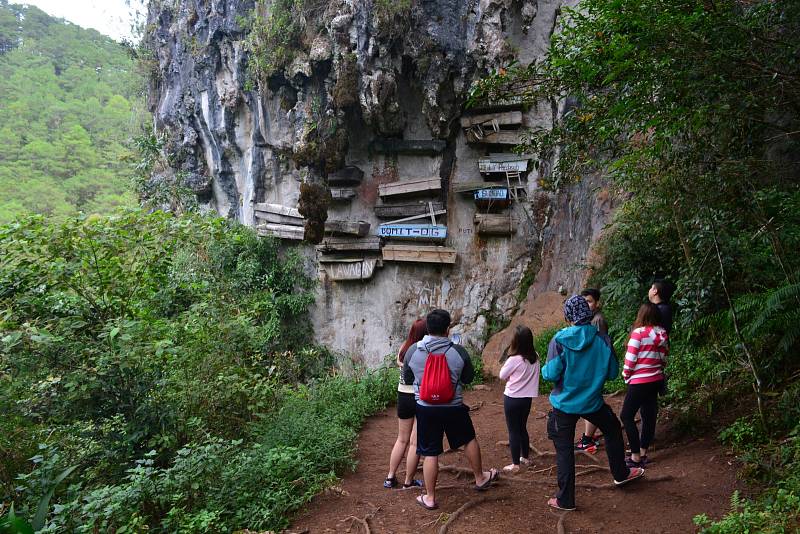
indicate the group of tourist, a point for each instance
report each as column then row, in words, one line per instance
column 580, row 359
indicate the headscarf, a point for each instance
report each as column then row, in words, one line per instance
column 576, row 310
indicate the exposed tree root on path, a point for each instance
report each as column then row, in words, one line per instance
column 464, row 507
column 525, row 480
column 591, row 469
column 364, row 522
column 561, row 528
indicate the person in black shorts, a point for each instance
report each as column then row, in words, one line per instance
column 406, row 411
column 434, row 421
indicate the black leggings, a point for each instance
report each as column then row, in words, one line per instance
column 517, row 410
column 644, row 398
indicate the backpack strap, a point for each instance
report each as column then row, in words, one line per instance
column 445, row 350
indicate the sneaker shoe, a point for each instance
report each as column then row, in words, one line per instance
column 598, row 439
column 586, row 444
column 524, row 461
column 633, row 474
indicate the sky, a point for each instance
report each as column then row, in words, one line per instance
column 109, row 17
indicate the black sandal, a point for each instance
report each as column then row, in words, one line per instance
column 390, row 483
column 414, row 484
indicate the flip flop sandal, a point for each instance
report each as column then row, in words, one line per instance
column 414, row 484
column 553, row 503
column 494, row 474
column 421, row 502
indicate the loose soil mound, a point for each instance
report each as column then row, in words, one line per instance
column 687, row 478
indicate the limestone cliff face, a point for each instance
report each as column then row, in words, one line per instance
column 367, row 76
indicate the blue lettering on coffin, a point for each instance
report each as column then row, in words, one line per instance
column 491, row 194
column 413, row 231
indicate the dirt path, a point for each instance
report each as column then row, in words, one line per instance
column 702, row 479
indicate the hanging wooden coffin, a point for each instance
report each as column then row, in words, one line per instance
column 416, row 232
column 348, row 244
column 356, row 228
column 487, row 166
column 282, row 231
column 492, row 199
column 502, row 137
column 419, row 254
column 418, row 186
column 494, row 224
column 350, row 269
column 278, row 214
column 398, row 211
column 509, row 118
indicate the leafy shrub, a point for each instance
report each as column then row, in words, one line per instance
column 226, row 485
column 170, row 359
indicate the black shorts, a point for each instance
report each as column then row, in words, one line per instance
column 406, row 405
column 433, row 422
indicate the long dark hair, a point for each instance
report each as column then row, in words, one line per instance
column 417, row 332
column 522, row 344
column 647, row 315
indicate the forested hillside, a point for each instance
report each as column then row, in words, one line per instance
column 68, row 100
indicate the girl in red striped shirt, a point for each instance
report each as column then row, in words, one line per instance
column 643, row 371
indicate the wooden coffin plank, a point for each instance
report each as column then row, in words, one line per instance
column 407, row 146
column 494, row 224
column 416, row 232
column 342, row 194
column 278, row 209
column 508, row 118
column 283, row 231
column 410, row 187
column 486, row 166
column 276, row 218
column 350, row 175
column 397, row 211
column 356, row 228
column 342, row 257
column 419, row 254
column 468, row 187
column 362, row 269
column 510, row 101
column 346, row 244
column 509, row 156
column 503, row 137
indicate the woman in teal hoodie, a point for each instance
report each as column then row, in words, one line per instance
column 580, row 360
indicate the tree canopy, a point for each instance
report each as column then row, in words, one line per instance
column 69, row 100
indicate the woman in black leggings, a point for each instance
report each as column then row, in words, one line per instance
column 644, row 373
column 522, row 373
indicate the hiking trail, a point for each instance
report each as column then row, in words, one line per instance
column 688, row 476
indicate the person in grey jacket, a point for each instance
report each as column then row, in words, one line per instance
column 451, row 418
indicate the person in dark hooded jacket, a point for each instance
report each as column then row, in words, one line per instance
column 580, row 359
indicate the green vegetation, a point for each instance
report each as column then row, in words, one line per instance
column 691, row 109
column 167, row 361
column 68, row 100
column 278, row 30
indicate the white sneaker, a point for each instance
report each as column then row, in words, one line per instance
column 524, row 461
column 511, row 468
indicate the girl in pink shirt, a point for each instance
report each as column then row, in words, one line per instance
column 522, row 374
